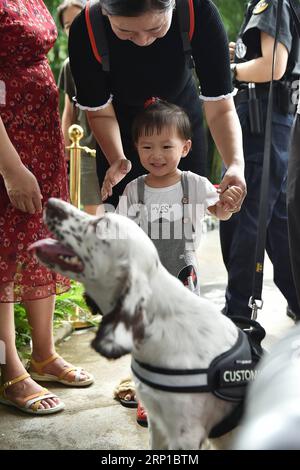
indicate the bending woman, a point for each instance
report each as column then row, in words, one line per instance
column 147, row 59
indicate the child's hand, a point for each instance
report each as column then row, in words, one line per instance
column 231, row 198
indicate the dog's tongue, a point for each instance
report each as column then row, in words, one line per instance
column 48, row 246
column 51, row 252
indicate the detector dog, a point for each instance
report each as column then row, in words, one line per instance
column 182, row 347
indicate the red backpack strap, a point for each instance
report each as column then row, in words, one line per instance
column 192, row 19
column 186, row 21
column 96, row 32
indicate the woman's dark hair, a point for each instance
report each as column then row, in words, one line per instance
column 159, row 114
column 66, row 4
column 134, row 7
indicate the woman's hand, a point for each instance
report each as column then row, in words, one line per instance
column 114, row 175
column 23, row 190
column 234, row 176
column 232, row 51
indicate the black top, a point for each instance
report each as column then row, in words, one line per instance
column 261, row 16
column 159, row 69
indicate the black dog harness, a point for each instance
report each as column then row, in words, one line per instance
column 226, row 377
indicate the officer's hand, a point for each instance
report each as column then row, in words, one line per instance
column 114, row 175
column 234, row 176
column 232, row 51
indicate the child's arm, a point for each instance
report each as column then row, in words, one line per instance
column 229, row 199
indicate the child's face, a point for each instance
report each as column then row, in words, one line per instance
column 68, row 17
column 160, row 154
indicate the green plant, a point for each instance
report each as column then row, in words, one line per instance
column 67, row 303
column 65, row 307
column 22, row 327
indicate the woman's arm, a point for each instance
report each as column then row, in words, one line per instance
column 21, row 185
column 106, row 130
column 226, row 131
column 260, row 70
column 68, row 118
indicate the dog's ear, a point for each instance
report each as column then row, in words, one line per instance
column 135, row 293
column 124, row 327
column 132, row 304
column 93, row 307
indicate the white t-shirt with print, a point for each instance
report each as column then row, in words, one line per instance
column 166, row 202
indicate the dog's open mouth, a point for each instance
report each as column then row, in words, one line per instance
column 52, row 252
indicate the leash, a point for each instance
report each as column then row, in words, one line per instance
column 255, row 301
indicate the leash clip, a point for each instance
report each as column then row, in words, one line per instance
column 255, row 305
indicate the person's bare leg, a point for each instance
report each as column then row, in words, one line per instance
column 14, row 367
column 40, row 317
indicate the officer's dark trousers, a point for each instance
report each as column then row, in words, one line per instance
column 238, row 235
column 293, row 201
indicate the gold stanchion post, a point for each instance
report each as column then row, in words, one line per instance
column 75, row 134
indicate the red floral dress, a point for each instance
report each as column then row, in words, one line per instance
column 29, row 110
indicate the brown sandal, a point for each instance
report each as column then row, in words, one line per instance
column 40, row 376
column 126, row 388
column 32, row 402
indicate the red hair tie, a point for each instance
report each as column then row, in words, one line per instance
column 151, row 101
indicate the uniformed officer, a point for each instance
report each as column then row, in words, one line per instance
column 251, row 59
column 293, row 198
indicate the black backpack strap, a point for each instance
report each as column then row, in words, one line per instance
column 186, row 20
column 96, row 31
column 295, row 8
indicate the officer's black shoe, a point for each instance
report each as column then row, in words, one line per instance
column 292, row 315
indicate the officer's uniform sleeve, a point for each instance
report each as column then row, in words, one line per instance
column 211, row 53
column 264, row 19
column 92, row 88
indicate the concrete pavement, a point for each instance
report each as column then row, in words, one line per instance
column 92, row 418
